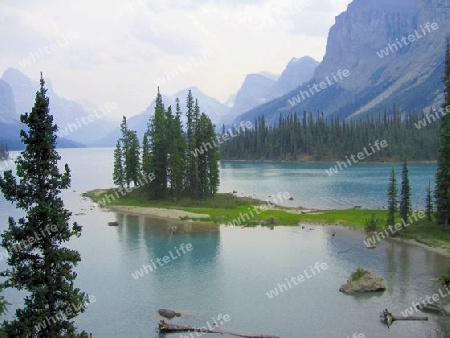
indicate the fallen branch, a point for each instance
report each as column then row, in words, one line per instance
column 166, row 328
column 388, row 318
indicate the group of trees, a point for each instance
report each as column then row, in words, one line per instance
column 404, row 204
column 314, row 137
column 177, row 161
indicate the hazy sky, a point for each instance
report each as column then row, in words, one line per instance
column 120, row 50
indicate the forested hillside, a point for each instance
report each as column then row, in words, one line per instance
column 313, row 137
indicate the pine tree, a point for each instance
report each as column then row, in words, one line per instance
column 41, row 265
column 130, row 154
column 157, row 131
column 133, row 157
column 392, row 198
column 405, row 193
column 177, row 153
column 443, row 165
column 429, row 203
column 118, row 175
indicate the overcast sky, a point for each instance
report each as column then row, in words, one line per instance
column 120, row 50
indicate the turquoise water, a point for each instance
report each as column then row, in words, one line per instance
column 229, row 271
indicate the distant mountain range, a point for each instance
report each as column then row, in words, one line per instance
column 390, row 52
column 18, row 93
column 393, row 52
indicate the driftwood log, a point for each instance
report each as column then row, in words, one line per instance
column 388, row 318
column 167, row 328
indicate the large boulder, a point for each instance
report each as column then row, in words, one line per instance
column 363, row 281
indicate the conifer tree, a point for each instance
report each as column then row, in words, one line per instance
column 118, row 175
column 159, row 148
column 41, row 266
column 177, row 152
column 429, row 203
column 392, row 198
column 443, row 165
column 405, row 193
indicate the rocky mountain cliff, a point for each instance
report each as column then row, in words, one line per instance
column 393, row 52
column 258, row 89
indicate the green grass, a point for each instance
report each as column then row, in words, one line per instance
column 224, row 208
column 355, row 218
column 358, row 273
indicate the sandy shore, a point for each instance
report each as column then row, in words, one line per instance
column 155, row 212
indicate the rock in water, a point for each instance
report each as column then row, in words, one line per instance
column 169, row 314
column 363, row 281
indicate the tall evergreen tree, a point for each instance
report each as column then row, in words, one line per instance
column 118, row 175
column 443, row 165
column 146, row 157
column 159, row 148
column 132, row 158
column 392, row 198
column 130, row 153
column 405, row 193
column 177, row 152
column 41, row 266
column 429, row 203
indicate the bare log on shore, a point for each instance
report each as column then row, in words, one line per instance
column 388, row 318
column 166, row 328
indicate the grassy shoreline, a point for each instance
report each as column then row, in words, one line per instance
column 242, row 211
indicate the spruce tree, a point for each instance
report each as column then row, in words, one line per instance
column 177, row 153
column 443, row 165
column 146, row 159
column 392, row 198
column 38, row 263
column 118, row 175
column 157, row 131
column 405, row 193
column 429, row 203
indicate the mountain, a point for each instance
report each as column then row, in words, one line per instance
column 263, row 87
column 71, row 117
column 212, row 107
column 7, row 104
column 297, row 71
column 254, row 91
column 392, row 53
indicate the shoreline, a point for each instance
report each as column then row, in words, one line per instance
column 154, row 212
column 176, row 214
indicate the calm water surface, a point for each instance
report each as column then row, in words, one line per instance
column 230, row 270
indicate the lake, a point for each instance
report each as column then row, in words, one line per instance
column 229, row 271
